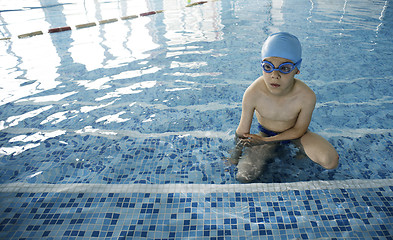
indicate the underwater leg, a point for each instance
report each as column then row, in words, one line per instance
column 252, row 163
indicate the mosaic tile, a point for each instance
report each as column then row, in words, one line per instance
column 361, row 213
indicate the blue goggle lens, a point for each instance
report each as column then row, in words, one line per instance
column 283, row 68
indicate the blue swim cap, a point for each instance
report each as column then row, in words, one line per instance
column 284, row 45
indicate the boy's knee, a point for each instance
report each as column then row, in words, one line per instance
column 330, row 161
column 241, row 177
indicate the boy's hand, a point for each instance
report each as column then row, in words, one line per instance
column 252, row 140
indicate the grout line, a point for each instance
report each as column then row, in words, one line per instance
column 92, row 24
column 195, row 188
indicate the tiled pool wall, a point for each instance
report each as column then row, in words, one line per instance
column 351, row 209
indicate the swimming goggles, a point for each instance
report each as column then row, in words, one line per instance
column 283, row 68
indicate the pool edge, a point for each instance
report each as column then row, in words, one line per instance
column 194, row 188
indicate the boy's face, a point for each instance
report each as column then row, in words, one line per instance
column 276, row 82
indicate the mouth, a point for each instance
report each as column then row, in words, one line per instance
column 275, row 85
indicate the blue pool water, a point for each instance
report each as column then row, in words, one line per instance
column 157, row 99
column 143, row 111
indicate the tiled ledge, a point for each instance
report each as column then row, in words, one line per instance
column 194, row 188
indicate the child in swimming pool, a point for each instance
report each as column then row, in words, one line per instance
column 283, row 106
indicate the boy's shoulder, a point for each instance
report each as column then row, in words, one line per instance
column 303, row 87
column 305, row 92
column 258, row 84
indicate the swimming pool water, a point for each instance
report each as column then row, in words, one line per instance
column 163, row 92
column 156, row 99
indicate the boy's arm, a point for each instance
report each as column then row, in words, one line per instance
column 247, row 114
column 297, row 131
column 244, row 126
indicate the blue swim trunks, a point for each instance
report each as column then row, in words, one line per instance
column 270, row 133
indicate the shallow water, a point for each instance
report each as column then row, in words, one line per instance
column 156, row 99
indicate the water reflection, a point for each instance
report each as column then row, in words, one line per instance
column 132, row 89
column 277, row 15
column 15, row 120
column 34, row 68
column 381, row 18
column 192, row 24
column 310, row 12
column 37, row 63
column 114, row 118
column 140, row 42
column 87, row 49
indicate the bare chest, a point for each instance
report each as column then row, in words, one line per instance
column 284, row 110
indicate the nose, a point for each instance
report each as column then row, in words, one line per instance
column 276, row 74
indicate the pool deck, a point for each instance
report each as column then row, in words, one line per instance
column 350, row 209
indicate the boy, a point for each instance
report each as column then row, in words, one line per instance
column 283, row 106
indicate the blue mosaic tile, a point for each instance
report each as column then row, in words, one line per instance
column 300, row 214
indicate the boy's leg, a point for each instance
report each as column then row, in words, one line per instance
column 253, row 162
column 236, row 152
column 319, row 150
